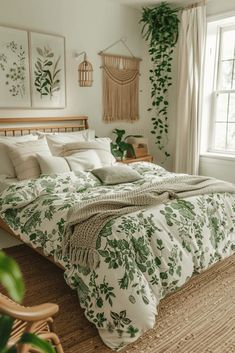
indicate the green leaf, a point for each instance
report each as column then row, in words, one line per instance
column 6, row 324
column 48, row 63
column 163, row 275
column 56, row 73
column 11, row 277
column 36, row 342
column 40, row 52
column 57, row 63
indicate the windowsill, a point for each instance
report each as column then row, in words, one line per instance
column 228, row 157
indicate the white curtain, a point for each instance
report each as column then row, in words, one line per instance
column 192, row 36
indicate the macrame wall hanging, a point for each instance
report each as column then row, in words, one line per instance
column 120, row 87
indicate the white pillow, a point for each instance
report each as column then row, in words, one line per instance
column 51, row 164
column 23, row 157
column 101, row 146
column 6, row 166
column 55, row 141
column 84, row 161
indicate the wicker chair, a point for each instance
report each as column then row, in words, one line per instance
column 36, row 319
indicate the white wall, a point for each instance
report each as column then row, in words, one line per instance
column 220, row 168
column 217, row 166
column 89, row 25
column 216, row 7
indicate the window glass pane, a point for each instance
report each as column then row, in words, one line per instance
column 227, row 44
column 231, row 116
column 233, row 83
column 222, row 107
column 231, row 137
column 220, row 136
column 226, row 71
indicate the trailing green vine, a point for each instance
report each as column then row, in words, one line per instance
column 160, row 28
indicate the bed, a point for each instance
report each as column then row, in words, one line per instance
column 23, row 126
column 144, row 255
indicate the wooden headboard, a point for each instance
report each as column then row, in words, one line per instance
column 24, row 126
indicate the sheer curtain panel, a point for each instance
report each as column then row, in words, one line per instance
column 190, row 70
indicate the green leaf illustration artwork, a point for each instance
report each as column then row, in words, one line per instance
column 47, row 72
column 15, row 75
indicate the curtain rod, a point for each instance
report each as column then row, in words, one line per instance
column 196, row 4
column 120, row 56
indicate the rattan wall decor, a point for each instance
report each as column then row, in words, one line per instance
column 85, row 72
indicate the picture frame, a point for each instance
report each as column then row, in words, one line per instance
column 14, row 68
column 47, row 70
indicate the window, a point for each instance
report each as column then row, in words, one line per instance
column 219, row 88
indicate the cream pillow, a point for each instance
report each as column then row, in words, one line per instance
column 23, row 157
column 101, row 143
column 51, row 164
column 56, row 141
column 101, row 147
column 84, row 161
column 6, row 166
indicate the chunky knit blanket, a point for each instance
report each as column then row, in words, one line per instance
column 87, row 219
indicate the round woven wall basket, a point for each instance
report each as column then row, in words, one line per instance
column 85, row 74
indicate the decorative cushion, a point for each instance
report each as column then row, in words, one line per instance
column 101, row 146
column 23, row 157
column 84, row 161
column 51, row 164
column 6, row 166
column 57, row 140
column 116, row 174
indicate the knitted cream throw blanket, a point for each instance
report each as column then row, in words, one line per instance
column 87, row 219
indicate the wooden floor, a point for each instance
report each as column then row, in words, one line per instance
column 44, row 282
column 200, row 318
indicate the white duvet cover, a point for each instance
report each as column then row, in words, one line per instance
column 144, row 255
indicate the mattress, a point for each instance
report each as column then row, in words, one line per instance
column 7, row 240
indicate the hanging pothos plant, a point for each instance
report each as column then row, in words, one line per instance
column 160, row 28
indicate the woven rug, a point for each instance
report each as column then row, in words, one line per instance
column 199, row 318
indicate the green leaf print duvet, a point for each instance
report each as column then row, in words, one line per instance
column 143, row 255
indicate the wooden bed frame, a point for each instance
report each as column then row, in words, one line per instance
column 24, row 126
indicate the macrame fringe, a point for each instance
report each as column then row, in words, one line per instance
column 88, row 258
column 120, row 89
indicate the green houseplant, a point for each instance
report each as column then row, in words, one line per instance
column 11, row 279
column 120, row 148
column 160, row 29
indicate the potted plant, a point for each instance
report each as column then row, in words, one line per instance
column 121, row 148
column 160, row 29
column 11, row 279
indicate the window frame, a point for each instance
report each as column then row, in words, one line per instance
column 216, row 92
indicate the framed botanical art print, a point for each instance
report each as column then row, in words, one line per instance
column 47, row 64
column 14, row 68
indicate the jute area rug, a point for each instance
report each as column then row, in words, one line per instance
column 199, row 318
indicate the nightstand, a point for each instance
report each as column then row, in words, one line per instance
column 137, row 159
